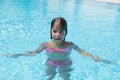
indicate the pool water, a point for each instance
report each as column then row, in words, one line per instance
column 93, row 26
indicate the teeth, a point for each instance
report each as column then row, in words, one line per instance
column 58, row 38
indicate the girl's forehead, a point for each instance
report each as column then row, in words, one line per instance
column 57, row 28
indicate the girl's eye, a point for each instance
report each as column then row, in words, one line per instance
column 54, row 31
column 61, row 31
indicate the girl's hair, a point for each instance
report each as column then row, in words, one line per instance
column 61, row 23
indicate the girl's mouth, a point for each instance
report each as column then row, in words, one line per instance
column 57, row 38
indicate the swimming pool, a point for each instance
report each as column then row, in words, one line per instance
column 94, row 26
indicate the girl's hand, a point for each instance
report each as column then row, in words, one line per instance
column 106, row 61
column 98, row 59
column 12, row 55
column 30, row 52
column 7, row 55
column 16, row 55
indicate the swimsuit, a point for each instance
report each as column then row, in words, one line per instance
column 66, row 62
column 65, row 51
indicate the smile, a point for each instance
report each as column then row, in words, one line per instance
column 57, row 38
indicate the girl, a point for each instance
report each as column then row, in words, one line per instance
column 58, row 51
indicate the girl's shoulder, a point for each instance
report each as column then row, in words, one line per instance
column 68, row 43
column 46, row 44
column 71, row 44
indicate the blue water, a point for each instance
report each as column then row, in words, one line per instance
column 94, row 26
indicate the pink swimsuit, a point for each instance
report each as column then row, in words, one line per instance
column 65, row 62
column 59, row 62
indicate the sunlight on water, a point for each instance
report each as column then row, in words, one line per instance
column 94, row 26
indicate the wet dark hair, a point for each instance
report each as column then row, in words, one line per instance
column 61, row 23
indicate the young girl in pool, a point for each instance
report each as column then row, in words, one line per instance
column 58, row 51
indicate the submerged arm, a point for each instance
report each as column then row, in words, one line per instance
column 29, row 53
column 94, row 57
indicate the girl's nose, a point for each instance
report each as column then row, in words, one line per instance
column 58, row 34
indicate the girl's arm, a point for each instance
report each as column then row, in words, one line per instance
column 94, row 57
column 15, row 55
column 29, row 53
column 38, row 50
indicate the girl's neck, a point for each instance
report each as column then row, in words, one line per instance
column 61, row 44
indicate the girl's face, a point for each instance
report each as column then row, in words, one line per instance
column 58, row 34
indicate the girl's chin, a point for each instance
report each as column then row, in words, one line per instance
column 58, row 41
